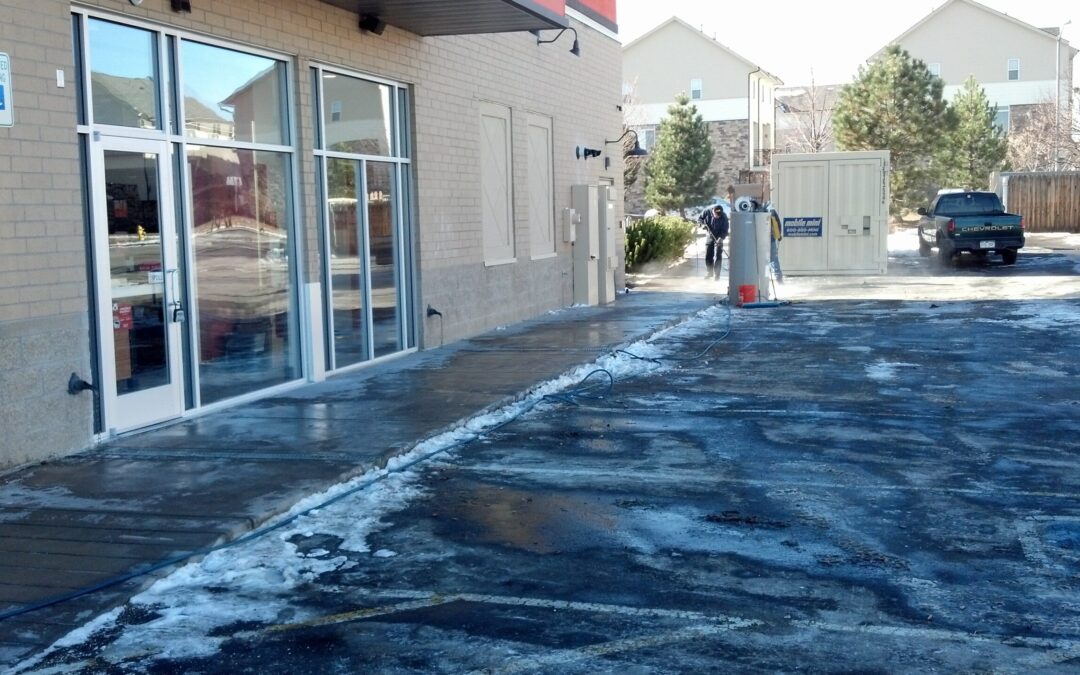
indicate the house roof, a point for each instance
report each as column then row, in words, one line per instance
column 679, row 22
column 1048, row 33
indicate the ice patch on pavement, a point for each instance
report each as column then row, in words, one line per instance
column 255, row 581
column 886, row 370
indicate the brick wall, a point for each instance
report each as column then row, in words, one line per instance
column 43, row 291
column 42, row 240
column 730, row 147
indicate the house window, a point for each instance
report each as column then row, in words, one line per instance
column 935, row 69
column 647, row 138
column 1001, row 118
column 695, row 89
column 1014, row 69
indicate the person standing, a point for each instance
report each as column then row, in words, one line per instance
column 776, row 233
column 715, row 222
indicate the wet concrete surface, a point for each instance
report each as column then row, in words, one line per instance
column 841, row 485
column 70, row 524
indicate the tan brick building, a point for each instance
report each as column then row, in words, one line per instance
column 207, row 201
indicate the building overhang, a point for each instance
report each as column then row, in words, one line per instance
column 461, row 17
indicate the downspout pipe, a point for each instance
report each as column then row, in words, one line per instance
column 750, row 122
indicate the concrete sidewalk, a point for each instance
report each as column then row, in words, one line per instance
column 138, row 500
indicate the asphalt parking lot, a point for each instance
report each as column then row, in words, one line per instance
column 878, row 477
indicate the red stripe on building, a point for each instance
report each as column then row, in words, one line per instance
column 556, row 6
column 603, row 8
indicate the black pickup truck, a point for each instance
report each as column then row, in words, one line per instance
column 972, row 222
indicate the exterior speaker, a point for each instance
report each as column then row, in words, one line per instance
column 372, row 24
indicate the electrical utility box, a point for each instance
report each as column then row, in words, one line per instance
column 834, row 210
column 608, row 255
column 585, row 200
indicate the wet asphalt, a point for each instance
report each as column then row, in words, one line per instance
column 838, row 485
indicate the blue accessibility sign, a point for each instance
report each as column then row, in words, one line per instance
column 802, row 227
column 3, row 99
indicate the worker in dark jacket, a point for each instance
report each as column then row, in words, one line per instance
column 715, row 221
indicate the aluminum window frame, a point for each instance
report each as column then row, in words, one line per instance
column 401, row 116
column 169, row 43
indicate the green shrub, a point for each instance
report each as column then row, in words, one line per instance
column 660, row 238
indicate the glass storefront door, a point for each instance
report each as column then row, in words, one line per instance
column 140, row 308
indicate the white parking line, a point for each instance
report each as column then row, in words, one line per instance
column 699, row 478
column 1057, row 650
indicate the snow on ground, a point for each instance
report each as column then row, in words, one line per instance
column 254, row 580
column 904, row 243
column 885, row 370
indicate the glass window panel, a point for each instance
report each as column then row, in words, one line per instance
column 241, row 220
column 346, row 257
column 358, row 115
column 1001, row 118
column 136, row 271
column 232, row 95
column 382, row 199
column 123, row 75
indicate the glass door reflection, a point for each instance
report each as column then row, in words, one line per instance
column 382, row 236
column 140, row 315
column 136, row 271
column 349, row 311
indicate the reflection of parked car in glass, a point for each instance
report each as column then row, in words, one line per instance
column 972, row 222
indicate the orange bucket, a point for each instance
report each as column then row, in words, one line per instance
column 747, row 294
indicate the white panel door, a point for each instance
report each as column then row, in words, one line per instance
column 541, row 189
column 495, row 184
column 856, row 213
column 803, row 199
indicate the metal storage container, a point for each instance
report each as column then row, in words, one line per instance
column 834, row 207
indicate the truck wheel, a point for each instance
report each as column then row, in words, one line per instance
column 1008, row 256
column 944, row 252
column 924, row 248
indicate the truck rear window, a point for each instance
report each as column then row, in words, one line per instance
column 969, row 204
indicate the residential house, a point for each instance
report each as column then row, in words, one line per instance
column 206, row 202
column 804, row 118
column 734, row 96
column 1017, row 64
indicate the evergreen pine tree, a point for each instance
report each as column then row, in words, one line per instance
column 677, row 174
column 895, row 104
column 976, row 147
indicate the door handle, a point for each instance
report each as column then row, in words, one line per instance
column 177, row 313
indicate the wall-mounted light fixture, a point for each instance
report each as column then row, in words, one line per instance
column 372, row 24
column 581, row 152
column 637, row 150
column 575, row 50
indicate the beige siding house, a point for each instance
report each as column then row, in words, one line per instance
column 1017, row 64
column 735, row 97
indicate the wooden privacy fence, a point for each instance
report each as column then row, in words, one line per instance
column 1048, row 201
